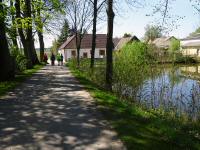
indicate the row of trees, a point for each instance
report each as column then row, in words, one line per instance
column 19, row 22
column 27, row 18
column 80, row 14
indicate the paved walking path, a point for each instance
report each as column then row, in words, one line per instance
column 51, row 111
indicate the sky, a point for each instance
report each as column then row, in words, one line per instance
column 134, row 20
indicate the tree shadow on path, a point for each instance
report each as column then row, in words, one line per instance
column 51, row 111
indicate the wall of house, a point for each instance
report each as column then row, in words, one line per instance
column 190, row 51
column 67, row 53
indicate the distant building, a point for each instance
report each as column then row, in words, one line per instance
column 68, row 48
column 191, row 45
column 123, row 41
column 161, row 45
column 163, row 42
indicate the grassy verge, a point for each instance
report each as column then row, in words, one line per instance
column 8, row 85
column 141, row 129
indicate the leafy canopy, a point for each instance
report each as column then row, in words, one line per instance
column 152, row 32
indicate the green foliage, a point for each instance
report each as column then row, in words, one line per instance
column 174, row 49
column 64, row 33
column 54, row 48
column 23, row 23
column 127, row 35
column 152, row 32
column 96, row 75
column 185, row 59
column 174, row 45
column 20, row 60
column 134, row 59
column 4, row 12
column 197, row 31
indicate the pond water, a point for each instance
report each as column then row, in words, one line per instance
column 176, row 88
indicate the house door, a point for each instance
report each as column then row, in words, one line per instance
column 102, row 53
column 73, row 53
column 85, row 55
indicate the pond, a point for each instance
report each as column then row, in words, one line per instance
column 173, row 88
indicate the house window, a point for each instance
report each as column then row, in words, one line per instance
column 73, row 53
column 102, row 53
column 85, row 55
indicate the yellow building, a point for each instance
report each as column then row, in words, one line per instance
column 191, row 45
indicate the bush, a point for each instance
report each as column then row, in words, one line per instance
column 96, row 75
column 21, row 61
column 185, row 59
column 131, row 68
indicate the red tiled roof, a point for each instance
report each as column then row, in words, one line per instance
column 66, row 42
column 86, row 42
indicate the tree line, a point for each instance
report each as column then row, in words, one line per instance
column 20, row 21
column 26, row 18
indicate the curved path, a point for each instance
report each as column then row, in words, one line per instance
column 51, row 111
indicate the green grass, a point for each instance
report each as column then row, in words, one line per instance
column 140, row 129
column 8, row 85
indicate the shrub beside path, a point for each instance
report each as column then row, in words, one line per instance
column 52, row 111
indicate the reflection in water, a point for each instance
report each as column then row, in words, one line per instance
column 174, row 88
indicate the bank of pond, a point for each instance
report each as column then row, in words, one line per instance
column 156, row 109
column 172, row 88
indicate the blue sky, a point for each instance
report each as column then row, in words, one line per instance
column 134, row 20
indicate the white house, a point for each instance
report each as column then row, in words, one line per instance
column 125, row 40
column 163, row 43
column 68, row 48
column 191, row 45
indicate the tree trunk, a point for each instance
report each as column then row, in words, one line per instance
column 109, row 46
column 94, row 34
column 40, row 34
column 30, row 40
column 78, row 56
column 78, row 47
column 34, row 57
column 14, row 30
column 6, row 67
column 41, row 41
column 21, row 33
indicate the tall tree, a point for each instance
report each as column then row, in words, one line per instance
column 79, row 14
column 24, row 26
column 39, row 26
column 54, row 48
column 109, row 45
column 96, row 8
column 12, row 30
column 94, row 33
column 64, row 33
column 152, row 32
column 197, row 31
column 45, row 11
column 29, row 31
column 6, row 67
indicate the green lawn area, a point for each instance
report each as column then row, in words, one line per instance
column 8, row 85
column 141, row 129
